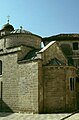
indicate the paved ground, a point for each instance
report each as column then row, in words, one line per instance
column 20, row 116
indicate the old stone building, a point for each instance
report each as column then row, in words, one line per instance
column 69, row 44
column 35, row 79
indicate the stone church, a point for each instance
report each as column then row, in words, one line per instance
column 35, row 79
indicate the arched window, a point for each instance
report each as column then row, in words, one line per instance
column 0, row 67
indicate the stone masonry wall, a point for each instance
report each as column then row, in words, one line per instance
column 10, row 82
column 15, row 40
column 71, row 100
column 57, row 95
column 22, row 85
column 28, row 89
column 23, row 39
column 40, row 86
column 53, row 52
column 23, row 52
column 0, row 93
column 54, row 89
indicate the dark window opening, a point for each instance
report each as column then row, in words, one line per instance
column 0, row 67
column 75, row 46
column 72, row 84
column 70, row 61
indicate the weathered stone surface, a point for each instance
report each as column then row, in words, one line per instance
column 57, row 93
column 20, row 116
column 34, row 86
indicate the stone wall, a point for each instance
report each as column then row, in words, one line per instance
column 22, row 39
column 10, row 82
column 14, row 40
column 57, row 95
column 22, row 85
column 69, row 42
column 72, row 55
column 2, row 44
column 40, row 87
column 53, row 52
column 71, row 99
column 30, row 86
column 0, row 93
column 23, row 52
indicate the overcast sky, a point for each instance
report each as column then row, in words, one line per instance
column 42, row 17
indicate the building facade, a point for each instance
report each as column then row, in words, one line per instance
column 35, row 79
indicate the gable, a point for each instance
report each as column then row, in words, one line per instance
column 51, row 51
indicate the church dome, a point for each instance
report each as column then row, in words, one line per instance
column 21, row 31
column 8, row 27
